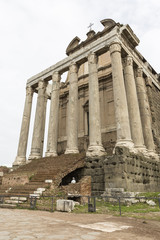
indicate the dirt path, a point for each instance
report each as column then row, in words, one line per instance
column 25, row 224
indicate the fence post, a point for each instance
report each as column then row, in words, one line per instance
column 18, row 201
column 94, row 204
column 119, row 201
column 52, row 204
column 159, row 202
column 88, row 204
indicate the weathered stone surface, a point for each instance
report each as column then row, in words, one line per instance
column 100, row 109
column 64, row 205
column 72, row 120
column 53, row 118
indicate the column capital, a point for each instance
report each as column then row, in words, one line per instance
column 148, row 82
column 127, row 61
column 139, row 72
column 92, row 58
column 115, row 47
column 29, row 90
column 56, row 77
column 42, row 84
column 73, row 68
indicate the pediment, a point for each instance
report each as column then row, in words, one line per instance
column 107, row 23
column 74, row 43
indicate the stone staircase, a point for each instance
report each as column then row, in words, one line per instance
column 35, row 177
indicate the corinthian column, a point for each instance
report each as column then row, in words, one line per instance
column 44, row 122
column 72, row 113
column 36, row 149
column 95, row 143
column 23, row 140
column 53, row 118
column 144, row 111
column 120, row 101
column 133, row 107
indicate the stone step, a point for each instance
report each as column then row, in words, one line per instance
column 36, row 195
column 13, row 201
column 19, row 198
column 4, row 205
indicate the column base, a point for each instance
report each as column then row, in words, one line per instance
column 95, row 151
column 128, row 143
column 152, row 154
column 32, row 157
column 51, row 154
column 125, row 143
column 141, row 149
column 71, row 151
column 19, row 161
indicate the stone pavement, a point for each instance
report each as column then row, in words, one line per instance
column 26, row 224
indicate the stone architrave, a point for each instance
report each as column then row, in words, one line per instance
column 133, row 107
column 120, row 101
column 53, row 119
column 95, row 143
column 72, row 112
column 36, row 148
column 23, row 140
column 144, row 110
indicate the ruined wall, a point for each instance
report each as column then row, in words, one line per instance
column 15, row 179
column 94, row 167
column 154, row 101
column 130, row 171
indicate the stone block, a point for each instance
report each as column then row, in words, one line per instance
column 48, row 181
column 34, row 195
column 41, row 189
column 98, row 179
column 64, row 205
column 19, row 198
column 1, row 174
column 151, row 202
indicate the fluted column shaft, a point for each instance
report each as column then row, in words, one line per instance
column 72, row 113
column 95, row 142
column 120, row 101
column 23, row 140
column 144, row 110
column 53, row 118
column 36, row 149
column 133, row 107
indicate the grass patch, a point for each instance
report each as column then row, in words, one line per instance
column 138, row 209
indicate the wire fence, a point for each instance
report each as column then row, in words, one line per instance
column 48, row 203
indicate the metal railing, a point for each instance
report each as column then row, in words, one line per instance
column 49, row 202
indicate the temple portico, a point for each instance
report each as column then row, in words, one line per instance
column 106, row 72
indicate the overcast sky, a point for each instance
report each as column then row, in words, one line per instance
column 34, row 35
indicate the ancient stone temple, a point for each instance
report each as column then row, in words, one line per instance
column 109, row 107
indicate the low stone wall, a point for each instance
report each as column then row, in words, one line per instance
column 15, row 179
column 83, row 187
column 133, row 172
